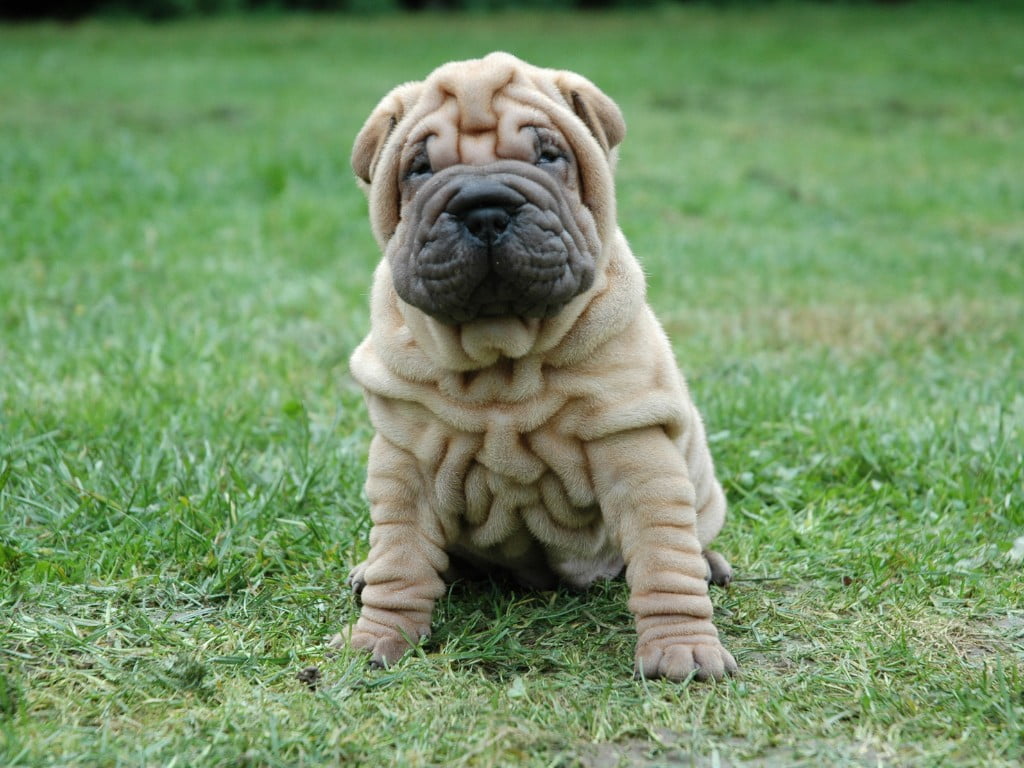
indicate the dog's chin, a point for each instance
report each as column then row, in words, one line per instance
column 492, row 311
column 496, row 297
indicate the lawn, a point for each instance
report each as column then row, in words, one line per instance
column 829, row 204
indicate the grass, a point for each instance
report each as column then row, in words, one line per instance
column 827, row 202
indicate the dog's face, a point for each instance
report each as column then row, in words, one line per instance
column 503, row 237
column 488, row 184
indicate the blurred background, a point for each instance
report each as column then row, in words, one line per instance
column 827, row 201
column 164, row 9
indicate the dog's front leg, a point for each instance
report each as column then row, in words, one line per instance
column 647, row 498
column 399, row 581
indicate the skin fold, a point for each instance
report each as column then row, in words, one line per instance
column 528, row 409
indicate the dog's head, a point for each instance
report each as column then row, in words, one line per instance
column 490, row 187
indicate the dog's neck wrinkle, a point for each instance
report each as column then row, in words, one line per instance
column 470, row 346
column 507, row 381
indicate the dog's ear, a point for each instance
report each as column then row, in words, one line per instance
column 598, row 112
column 378, row 127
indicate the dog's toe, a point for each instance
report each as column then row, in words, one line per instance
column 357, row 578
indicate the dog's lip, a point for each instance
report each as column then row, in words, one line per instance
column 490, row 290
column 485, row 301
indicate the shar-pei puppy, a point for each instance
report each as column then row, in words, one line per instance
column 528, row 410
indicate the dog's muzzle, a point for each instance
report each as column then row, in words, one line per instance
column 485, row 208
column 492, row 241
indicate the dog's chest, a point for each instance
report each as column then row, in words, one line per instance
column 507, row 479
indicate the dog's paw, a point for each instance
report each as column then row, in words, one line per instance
column 357, row 578
column 719, row 570
column 677, row 658
column 384, row 644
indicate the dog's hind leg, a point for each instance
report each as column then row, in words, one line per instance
column 719, row 570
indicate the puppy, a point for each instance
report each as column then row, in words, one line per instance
column 528, row 410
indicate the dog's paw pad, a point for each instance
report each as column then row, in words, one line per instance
column 704, row 659
column 385, row 646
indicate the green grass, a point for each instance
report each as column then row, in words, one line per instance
column 827, row 201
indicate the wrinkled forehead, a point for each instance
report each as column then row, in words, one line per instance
column 473, row 112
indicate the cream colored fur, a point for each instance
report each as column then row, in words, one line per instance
column 559, row 448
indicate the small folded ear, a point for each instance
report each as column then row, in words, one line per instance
column 598, row 112
column 374, row 134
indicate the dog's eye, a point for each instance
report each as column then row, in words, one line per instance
column 547, row 148
column 549, row 155
column 420, row 166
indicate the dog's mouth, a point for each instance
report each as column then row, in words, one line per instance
column 497, row 240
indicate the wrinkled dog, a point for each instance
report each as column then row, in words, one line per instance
column 529, row 414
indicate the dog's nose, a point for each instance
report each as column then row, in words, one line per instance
column 485, row 208
column 486, row 224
